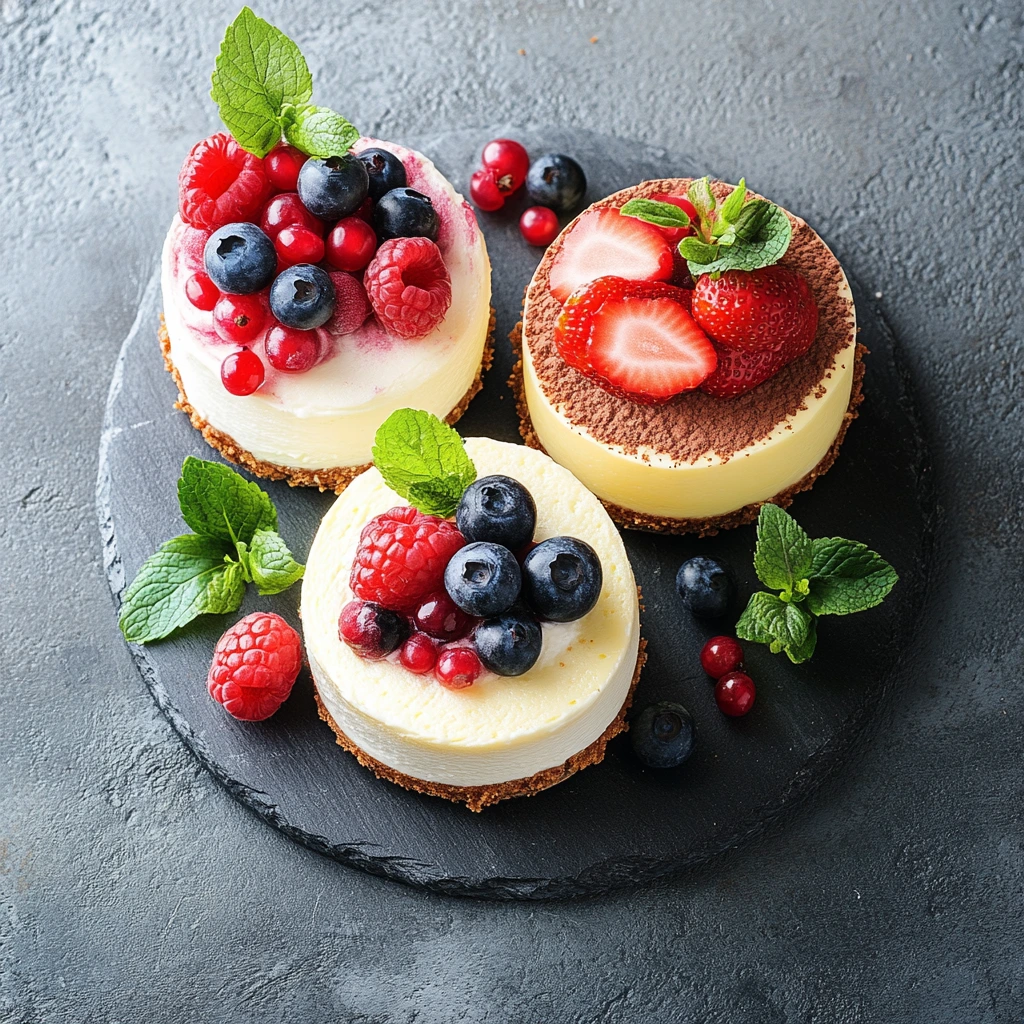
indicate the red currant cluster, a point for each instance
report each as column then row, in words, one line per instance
column 722, row 659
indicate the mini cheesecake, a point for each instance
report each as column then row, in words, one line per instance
column 698, row 463
column 317, row 427
column 503, row 736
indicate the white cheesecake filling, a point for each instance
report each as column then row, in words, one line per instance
column 500, row 728
column 327, row 417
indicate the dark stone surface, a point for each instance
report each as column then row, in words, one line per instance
column 133, row 888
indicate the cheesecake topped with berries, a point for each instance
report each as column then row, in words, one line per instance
column 689, row 351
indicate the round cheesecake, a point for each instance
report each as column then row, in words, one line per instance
column 318, row 427
column 502, row 736
column 699, row 463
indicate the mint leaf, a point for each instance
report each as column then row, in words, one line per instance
column 217, row 502
column 699, row 193
column 782, row 557
column 802, row 652
column 320, row 132
column 766, row 247
column 782, row 625
column 259, row 71
column 847, row 577
column 423, row 460
column 734, row 203
column 187, row 576
column 270, row 563
column 693, row 250
column 653, row 211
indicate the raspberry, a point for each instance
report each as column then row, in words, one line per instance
column 254, row 666
column 402, row 556
column 409, row 286
column 351, row 306
column 220, row 183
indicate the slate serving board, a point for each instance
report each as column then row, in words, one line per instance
column 614, row 824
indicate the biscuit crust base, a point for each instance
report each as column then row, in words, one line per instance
column 476, row 798
column 708, row 527
column 335, row 479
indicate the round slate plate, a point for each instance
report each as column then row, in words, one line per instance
column 615, row 823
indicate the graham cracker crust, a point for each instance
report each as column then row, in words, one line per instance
column 335, row 479
column 702, row 527
column 476, row 798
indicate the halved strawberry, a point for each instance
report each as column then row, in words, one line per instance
column 603, row 243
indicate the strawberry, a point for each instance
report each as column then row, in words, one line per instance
column 675, row 235
column 739, row 372
column 603, row 243
column 636, row 339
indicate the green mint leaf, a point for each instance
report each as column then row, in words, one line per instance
column 733, row 204
column 699, row 193
column 767, row 247
column 653, row 211
column 800, row 653
column 782, row 625
column 782, row 557
column 217, row 502
column 271, row 564
column 259, row 71
column 186, row 577
column 423, row 460
column 320, row 132
column 847, row 577
column 752, row 219
column 696, row 252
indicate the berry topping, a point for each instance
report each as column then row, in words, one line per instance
column 201, row 291
column 484, row 191
column 508, row 161
column 439, row 616
column 721, row 655
column 498, row 509
column 637, row 340
column 556, row 181
column 675, row 235
column 734, row 694
column 255, row 664
column 739, row 372
column 239, row 318
column 562, row 579
column 539, row 225
column 418, row 654
column 771, row 309
column 384, row 170
column 706, row 587
column 240, row 258
column 302, row 296
column 663, row 735
column 509, row 644
column 483, row 579
column 220, row 183
column 402, row 556
column 405, row 213
column 351, row 244
column 457, row 667
column 291, row 350
column 283, row 164
column 351, row 304
column 409, row 286
column 372, row 631
column 603, row 243
column 333, row 188
column 242, row 372
column 286, row 210
column 296, row 244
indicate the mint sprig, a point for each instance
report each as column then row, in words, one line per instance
column 827, row 576
column 423, row 460
column 235, row 542
column 262, row 87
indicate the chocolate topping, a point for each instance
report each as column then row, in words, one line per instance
column 694, row 424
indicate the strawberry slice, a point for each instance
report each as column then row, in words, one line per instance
column 603, row 243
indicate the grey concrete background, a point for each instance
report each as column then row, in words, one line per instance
column 133, row 888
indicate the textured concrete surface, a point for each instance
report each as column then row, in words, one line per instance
column 133, row 888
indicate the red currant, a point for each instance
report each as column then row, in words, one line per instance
column 365, row 211
column 296, row 244
column 282, row 165
column 239, row 318
column 418, row 654
column 457, row 667
column 351, row 244
column 539, row 225
column 371, row 630
column 284, row 211
column 509, row 161
column 734, row 694
column 241, row 373
column 291, row 350
column 201, row 291
column 441, row 617
column 484, row 191
column 721, row 655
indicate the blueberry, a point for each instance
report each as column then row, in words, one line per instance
column 556, row 181
column 562, row 579
column 385, row 170
column 302, row 297
column 663, row 735
column 483, row 579
column 498, row 509
column 333, row 188
column 240, row 259
column 509, row 644
column 706, row 587
column 405, row 213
